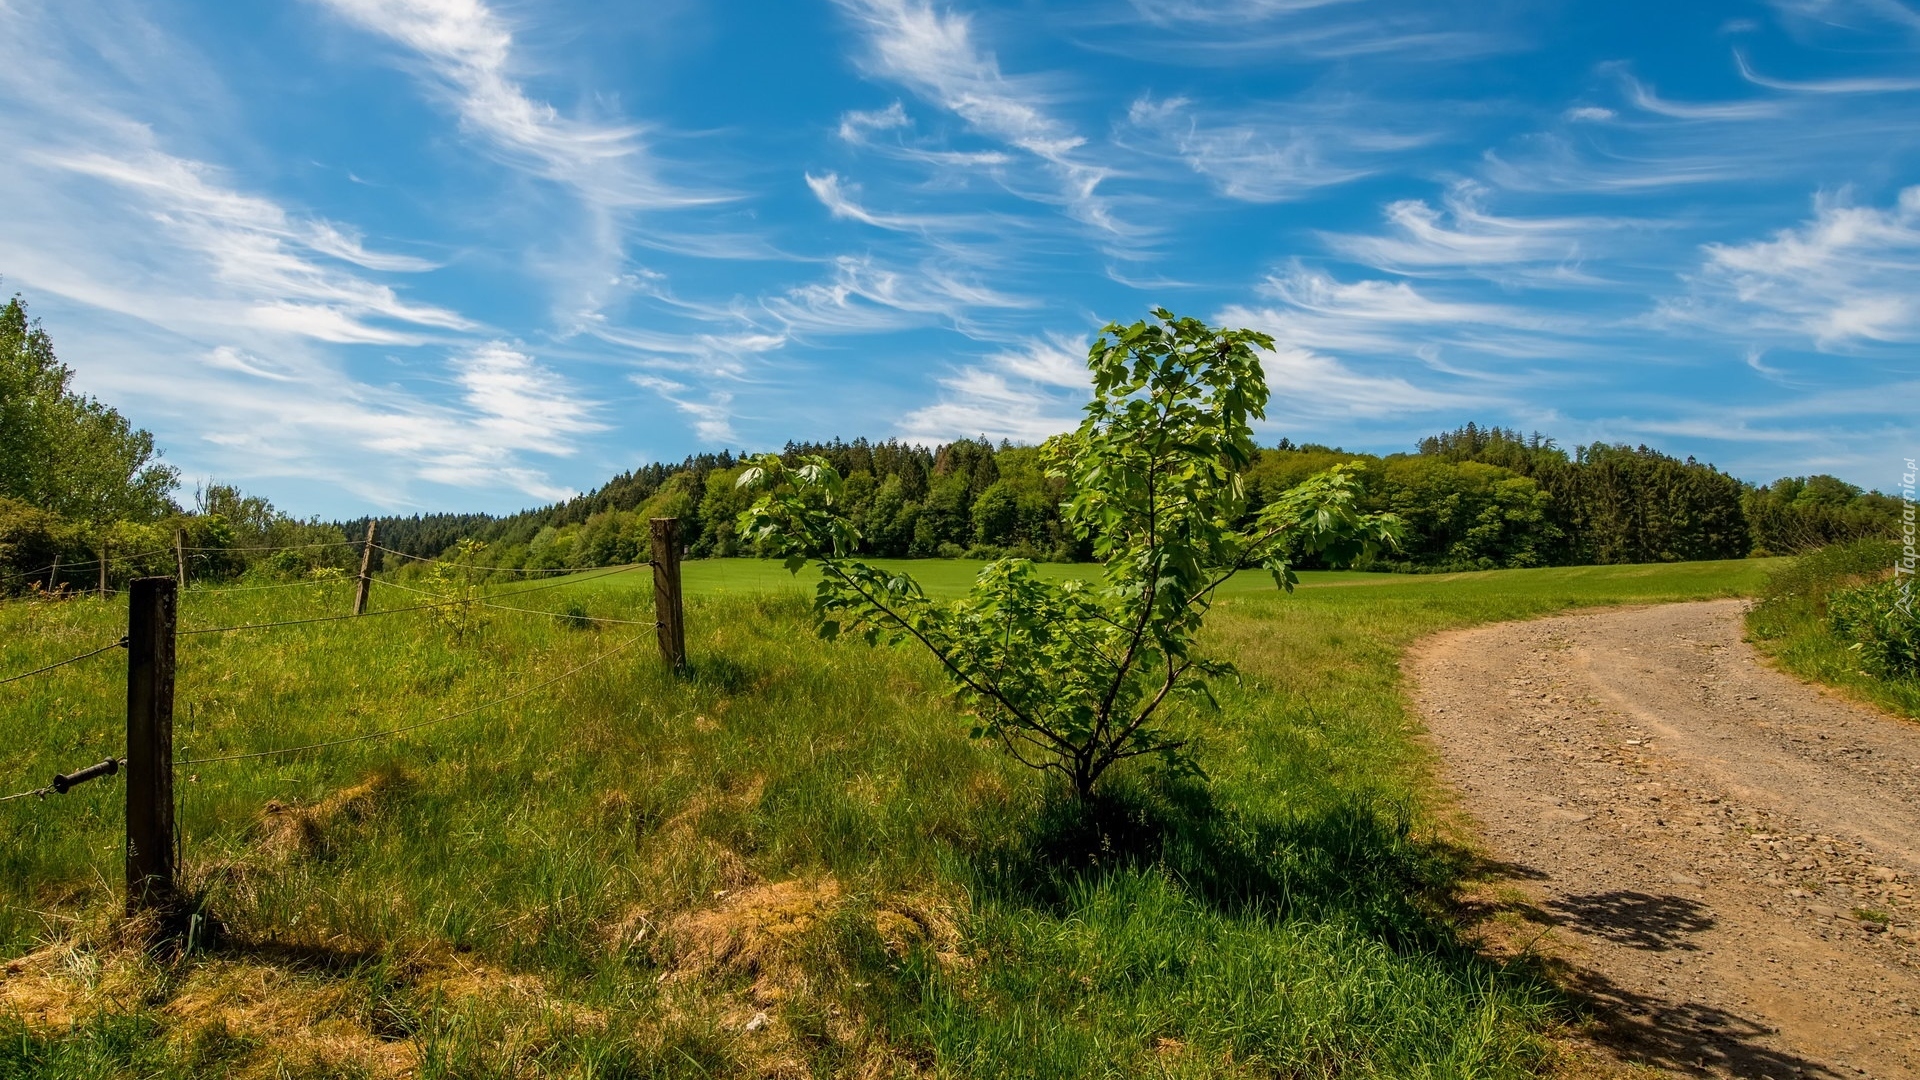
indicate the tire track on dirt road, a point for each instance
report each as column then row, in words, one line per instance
column 1723, row 856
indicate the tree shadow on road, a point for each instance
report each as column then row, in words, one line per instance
column 1684, row 1036
column 1637, row 919
column 1660, row 1029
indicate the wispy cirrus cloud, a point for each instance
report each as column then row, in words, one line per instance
column 1644, row 97
column 469, row 56
column 279, row 271
column 1847, row 277
column 1246, row 31
column 1316, row 310
column 1461, row 234
column 865, row 295
column 842, row 200
column 1849, row 85
column 519, row 403
column 1026, row 394
column 1176, row 12
column 1849, row 15
column 262, row 341
column 1273, row 153
column 933, row 53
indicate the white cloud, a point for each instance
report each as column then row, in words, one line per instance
column 469, row 53
column 1849, row 276
column 1214, row 32
column 1857, row 85
column 271, row 268
column 1551, row 164
column 842, row 201
column 1643, row 96
column 933, row 52
column 1178, row 12
column 1273, row 154
column 838, row 199
column 712, row 416
column 1848, row 14
column 520, row 405
column 865, row 296
column 1327, row 313
column 1322, row 324
column 1591, row 114
column 1024, row 394
column 856, row 125
column 1466, row 235
column 228, row 316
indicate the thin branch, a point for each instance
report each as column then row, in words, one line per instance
column 1173, row 677
column 992, row 693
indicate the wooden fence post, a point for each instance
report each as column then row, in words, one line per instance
column 366, row 574
column 53, row 574
column 180, row 556
column 669, row 619
column 151, row 608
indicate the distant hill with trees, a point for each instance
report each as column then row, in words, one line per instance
column 1474, row 498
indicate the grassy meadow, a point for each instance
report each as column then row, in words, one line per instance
column 789, row 861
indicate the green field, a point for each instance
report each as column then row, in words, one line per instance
column 790, row 862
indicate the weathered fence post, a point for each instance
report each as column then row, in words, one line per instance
column 670, row 621
column 103, row 570
column 180, row 556
column 53, row 574
column 366, row 574
column 151, row 607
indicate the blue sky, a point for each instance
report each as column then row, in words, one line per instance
column 478, row 254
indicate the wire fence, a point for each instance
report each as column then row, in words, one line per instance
column 84, row 564
column 485, row 600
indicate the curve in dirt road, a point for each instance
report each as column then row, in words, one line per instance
column 1723, row 855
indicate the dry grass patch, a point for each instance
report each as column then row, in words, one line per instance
column 287, row 831
column 751, row 930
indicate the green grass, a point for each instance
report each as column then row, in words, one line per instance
column 585, row 850
column 1791, row 623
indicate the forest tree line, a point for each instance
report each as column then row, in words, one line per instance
column 79, row 483
column 1474, row 498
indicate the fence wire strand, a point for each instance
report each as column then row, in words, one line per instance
column 121, row 644
column 465, row 566
column 315, row 619
column 517, row 694
column 42, row 792
column 270, row 547
column 487, row 603
column 279, row 585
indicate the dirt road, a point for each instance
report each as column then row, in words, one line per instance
column 1725, row 856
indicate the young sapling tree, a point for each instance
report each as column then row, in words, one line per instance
column 1070, row 676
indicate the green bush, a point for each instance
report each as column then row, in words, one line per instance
column 1834, row 616
column 1877, row 622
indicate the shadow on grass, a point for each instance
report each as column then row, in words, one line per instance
column 1355, row 861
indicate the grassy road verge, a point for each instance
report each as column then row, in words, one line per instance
column 1793, row 623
